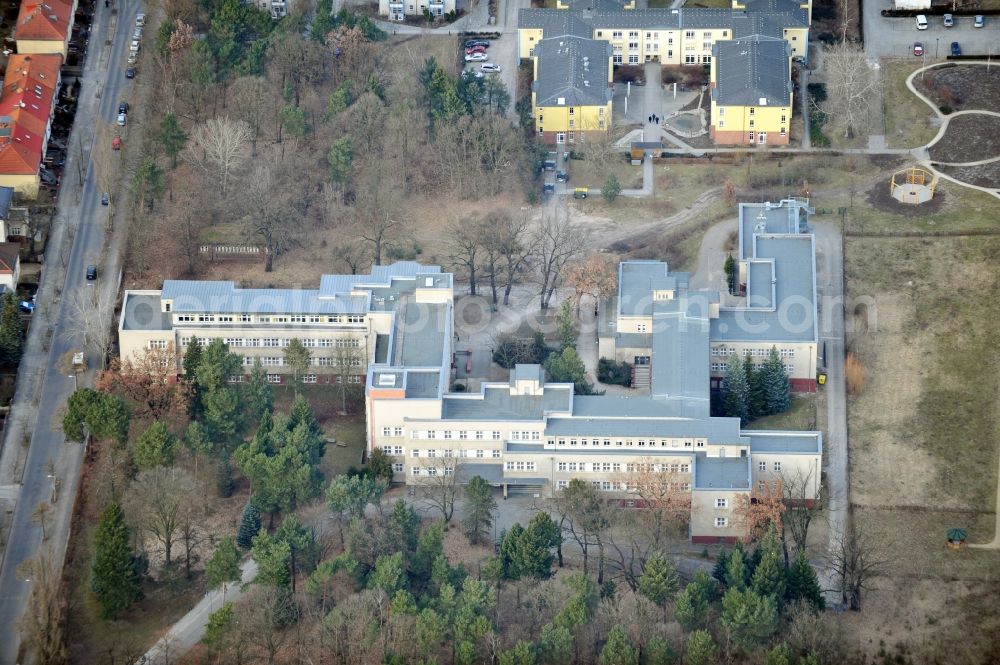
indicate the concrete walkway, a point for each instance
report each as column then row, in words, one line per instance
column 806, row 141
column 187, row 632
column 925, row 160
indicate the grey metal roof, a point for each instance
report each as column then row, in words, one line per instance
column 423, row 384
column 226, row 298
column 680, row 360
column 420, row 334
column 638, row 279
column 141, row 311
column 767, row 441
column 572, row 71
column 554, row 22
column 380, row 276
column 715, row 430
column 760, row 283
column 793, row 315
column 721, row 472
column 752, row 71
column 496, row 403
column 527, row 372
column 788, row 216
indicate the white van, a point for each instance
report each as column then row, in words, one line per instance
column 140, row 20
column 921, row 22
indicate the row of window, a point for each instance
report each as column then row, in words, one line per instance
column 722, row 367
column 459, row 434
column 653, row 36
column 393, row 431
column 251, row 318
column 520, row 466
column 279, row 361
column 616, row 467
column 762, row 466
column 280, row 343
column 759, row 352
column 613, row 485
column 433, row 452
column 429, row 470
column 629, row 443
column 306, row 378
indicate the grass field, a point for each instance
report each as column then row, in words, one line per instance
column 908, row 120
column 923, row 439
column 801, row 415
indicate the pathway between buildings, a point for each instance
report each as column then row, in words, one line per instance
column 189, row 630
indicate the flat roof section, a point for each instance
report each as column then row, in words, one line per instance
column 715, row 430
column 785, row 442
column 225, row 298
column 760, row 283
column 721, row 473
column 420, row 334
column 141, row 311
column 496, row 403
column 423, row 385
column 635, row 297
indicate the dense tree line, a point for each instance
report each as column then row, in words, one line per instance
column 750, row 392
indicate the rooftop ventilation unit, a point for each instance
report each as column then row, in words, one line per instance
column 387, row 379
column 428, row 281
column 763, row 101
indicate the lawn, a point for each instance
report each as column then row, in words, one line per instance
column 801, row 415
column 954, row 208
column 909, row 122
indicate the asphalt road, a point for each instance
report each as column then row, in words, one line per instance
column 894, row 37
column 830, row 284
column 42, row 388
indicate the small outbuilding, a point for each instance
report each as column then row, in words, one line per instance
column 956, row 539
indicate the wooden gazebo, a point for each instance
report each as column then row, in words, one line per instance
column 956, row 539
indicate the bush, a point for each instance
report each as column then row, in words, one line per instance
column 947, row 110
column 615, row 373
column 512, row 351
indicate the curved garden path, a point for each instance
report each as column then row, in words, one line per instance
column 945, row 121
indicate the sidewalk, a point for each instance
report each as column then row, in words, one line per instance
column 187, row 632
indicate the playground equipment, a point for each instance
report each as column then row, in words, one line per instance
column 912, row 185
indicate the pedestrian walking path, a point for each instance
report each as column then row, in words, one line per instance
column 189, row 630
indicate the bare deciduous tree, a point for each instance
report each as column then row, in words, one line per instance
column 859, row 556
column 252, row 102
column 157, row 501
column 804, row 501
column 507, row 247
column 440, row 484
column 555, row 242
column 376, row 209
column 465, row 244
column 219, row 146
column 42, row 625
column 267, row 217
column 853, row 85
column 92, row 329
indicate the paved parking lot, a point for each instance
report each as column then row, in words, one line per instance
column 503, row 51
column 894, row 37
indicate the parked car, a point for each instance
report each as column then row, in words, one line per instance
column 105, row 199
column 133, row 57
column 476, row 57
column 549, row 165
column 27, row 306
column 490, row 68
column 116, row 143
column 562, row 176
column 956, row 50
column 949, row 20
column 918, row 49
column 978, row 21
column 140, row 20
column 91, row 273
column 137, row 33
column 548, row 188
column 130, row 73
column 135, row 46
column 921, row 22
column 122, row 119
column 469, row 43
column 123, row 106
column 475, row 49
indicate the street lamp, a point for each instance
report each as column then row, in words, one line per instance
column 937, row 42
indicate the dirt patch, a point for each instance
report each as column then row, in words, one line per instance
column 983, row 175
column 969, row 138
column 880, row 198
column 961, row 87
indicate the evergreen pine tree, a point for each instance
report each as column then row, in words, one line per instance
column 721, row 563
column 249, row 526
column 736, row 569
column 302, row 413
column 779, row 655
column 802, row 583
column 691, row 607
column 736, row 390
column 11, row 330
column 658, row 652
column 750, row 619
column 774, row 386
column 192, row 359
column 730, row 269
column 619, row 650
column 701, row 649
column 658, row 581
column 157, row 446
column 224, row 484
column 757, row 407
column 114, row 578
column 259, row 395
column 769, row 576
